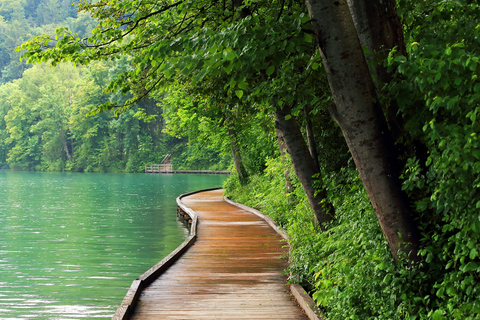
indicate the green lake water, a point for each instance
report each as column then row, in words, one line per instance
column 71, row 244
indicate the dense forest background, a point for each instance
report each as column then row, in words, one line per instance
column 43, row 110
column 360, row 138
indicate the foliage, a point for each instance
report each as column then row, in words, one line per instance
column 43, row 114
column 213, row 69
column 341, row 265
column 441, row 75
column 348, row 268
column 45, row 126
column 21, row 20
column 269, row 194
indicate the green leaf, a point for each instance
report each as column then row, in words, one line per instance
column 473, row 253
column 308, row 37
column 242, row 85
column 230, row 55
column 429, row 257
column 270, row 70
column 387, row 278
column 232, row 83
column 478, row 204
column 429, row 161
column 440, row 292
column 304, row 18
column 288, row 117
column 438, row 315
column 239, row 93
column 476, row 225
column 469, row 267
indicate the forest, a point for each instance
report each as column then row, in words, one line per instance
column 352, row 123
column 43, row 111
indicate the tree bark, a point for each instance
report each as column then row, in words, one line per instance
column 312, row 146
column 302, row 161
column 237, row 158
column 360, row 117
column 379, row 31
column 65, row 146
column 283, row 151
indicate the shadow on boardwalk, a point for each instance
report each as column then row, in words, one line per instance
column 233, row 270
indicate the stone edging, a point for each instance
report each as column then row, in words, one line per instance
column 303, row 299
column 125, row 309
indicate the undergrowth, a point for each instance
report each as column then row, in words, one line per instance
column 348, row 270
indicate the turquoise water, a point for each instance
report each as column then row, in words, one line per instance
column 71, row 244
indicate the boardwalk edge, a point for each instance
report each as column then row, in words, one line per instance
column 124, row 311
column 303, row 299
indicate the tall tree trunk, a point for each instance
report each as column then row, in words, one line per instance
column 237, row 158
column 379, row 31
column 283, row 151
column 359, row 115
column 302, row 161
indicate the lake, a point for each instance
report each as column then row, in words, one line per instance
column 71, row 243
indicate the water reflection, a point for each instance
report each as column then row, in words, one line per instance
column 71, row 244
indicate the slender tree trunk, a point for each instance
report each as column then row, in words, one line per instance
column 312, row 146
column 65, row 146
column 283, row 151
column 70, row 108
column 73, row 147
column 360, row 117
column 302, row 161
column 237, row 158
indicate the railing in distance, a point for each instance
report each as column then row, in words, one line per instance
column 158, row 167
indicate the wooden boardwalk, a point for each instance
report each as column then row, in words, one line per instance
column 233, row 271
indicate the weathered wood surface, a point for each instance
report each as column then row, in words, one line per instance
column 233, row 271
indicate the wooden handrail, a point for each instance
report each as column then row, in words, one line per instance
column 158, row 167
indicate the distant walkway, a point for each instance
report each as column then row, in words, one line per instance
column 233, row 271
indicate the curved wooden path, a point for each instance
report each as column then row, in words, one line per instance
column 233, row 271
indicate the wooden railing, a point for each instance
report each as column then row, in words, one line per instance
column 158, row 167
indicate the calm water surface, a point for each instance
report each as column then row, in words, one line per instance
column 71, row 244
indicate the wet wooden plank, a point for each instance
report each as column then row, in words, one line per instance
column 232, row 271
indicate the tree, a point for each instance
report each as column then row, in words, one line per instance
column 358, row 112
column 25, row 151
column 12, row 34
column 50, row 12
column 303, row 163
column 5, row 106
column 8, row 8
column 243, row 50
